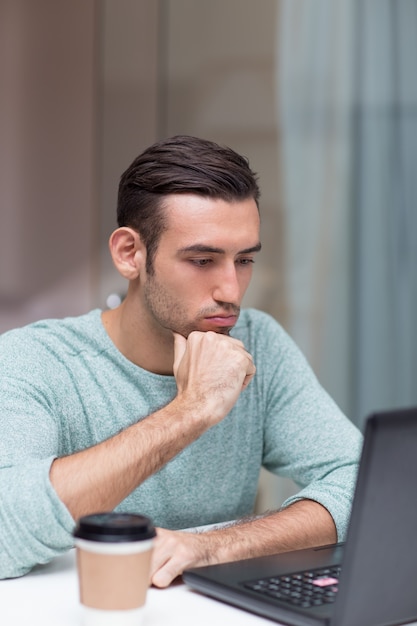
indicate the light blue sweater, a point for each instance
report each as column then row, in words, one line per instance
column 64, row 387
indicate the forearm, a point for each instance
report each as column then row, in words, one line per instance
column 100, row 477
column 304, row 524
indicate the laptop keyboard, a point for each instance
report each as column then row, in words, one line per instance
column 304, row 589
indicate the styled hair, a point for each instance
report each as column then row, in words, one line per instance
column 180, row 164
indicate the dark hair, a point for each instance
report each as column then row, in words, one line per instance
column 180, row 164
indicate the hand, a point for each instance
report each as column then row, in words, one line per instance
column 174, row 552
column 303, row 524
column 212, row 369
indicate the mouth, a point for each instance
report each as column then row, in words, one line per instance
column 221, row 321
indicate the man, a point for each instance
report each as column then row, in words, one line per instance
column 170, row 404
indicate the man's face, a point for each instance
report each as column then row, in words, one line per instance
column 203, row 264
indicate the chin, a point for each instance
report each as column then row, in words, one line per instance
column 224, row 330
column 202, row 328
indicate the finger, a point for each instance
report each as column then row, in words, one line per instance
column 166, row 574
column 248, row 378
column 249, row 375
column 168, row 558
column 180, row 345
column 164, row 544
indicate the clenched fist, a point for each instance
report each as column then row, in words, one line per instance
column 211, row 369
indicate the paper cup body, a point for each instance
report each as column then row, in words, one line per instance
column 113, row 572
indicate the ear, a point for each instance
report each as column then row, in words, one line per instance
column 128, row 252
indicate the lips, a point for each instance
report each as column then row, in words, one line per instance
column 220, row 320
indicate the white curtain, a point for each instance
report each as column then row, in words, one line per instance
column 385, row 200
column 314, row 69
column 347, row 110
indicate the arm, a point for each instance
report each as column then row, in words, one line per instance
column 303, row 524
column 37, row 513
column 305, row 437
column 211, row 370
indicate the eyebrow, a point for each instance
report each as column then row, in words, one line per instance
column 198, row 247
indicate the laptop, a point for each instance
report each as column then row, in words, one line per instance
column 368, row 581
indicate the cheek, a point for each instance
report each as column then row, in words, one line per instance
column 245, row 279
column 187, row 293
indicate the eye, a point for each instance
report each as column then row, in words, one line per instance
column 245, row 261
column 201, row 262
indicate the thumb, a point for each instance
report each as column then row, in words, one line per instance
column 180, row 345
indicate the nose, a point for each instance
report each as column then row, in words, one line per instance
column 227, row 288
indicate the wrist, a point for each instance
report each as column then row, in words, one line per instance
column 193, row 412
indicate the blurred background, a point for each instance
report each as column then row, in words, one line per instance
column 320, row 95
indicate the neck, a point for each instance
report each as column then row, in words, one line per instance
column 140, row 340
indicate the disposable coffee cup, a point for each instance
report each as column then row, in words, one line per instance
column 113, row 563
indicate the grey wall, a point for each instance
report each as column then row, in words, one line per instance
column 47, row 152
column 86, row 85
column 77, row 103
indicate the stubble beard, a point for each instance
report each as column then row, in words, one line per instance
column 169, row 314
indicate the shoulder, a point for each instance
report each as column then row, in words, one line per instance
column 269, row 343
column 49, row 337
column 53, row 326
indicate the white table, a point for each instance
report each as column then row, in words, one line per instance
column 48, row 596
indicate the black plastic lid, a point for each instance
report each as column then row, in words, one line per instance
column 114, row 527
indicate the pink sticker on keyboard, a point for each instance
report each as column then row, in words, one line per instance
column 324, row 581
